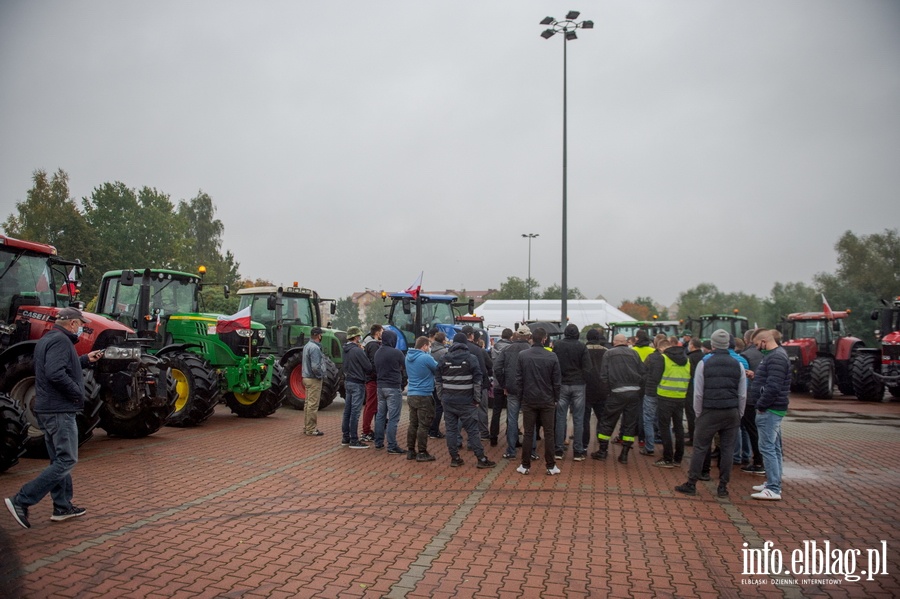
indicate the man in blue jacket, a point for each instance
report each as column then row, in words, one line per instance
column 59, row 397
column 771, row 389
column 420, row 368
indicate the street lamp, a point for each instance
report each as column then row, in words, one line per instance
column 567, row 27
column 530, row 236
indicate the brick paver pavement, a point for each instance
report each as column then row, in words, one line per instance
column 252, row 508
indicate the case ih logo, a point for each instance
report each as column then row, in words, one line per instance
column 35, row 315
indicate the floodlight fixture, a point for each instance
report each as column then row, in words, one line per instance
column 548, row 33
column 587, row 25
column 547, row 20
column 570, row 35
column 572, row 15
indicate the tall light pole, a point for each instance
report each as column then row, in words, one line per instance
column 530, row 236
column 567, row 27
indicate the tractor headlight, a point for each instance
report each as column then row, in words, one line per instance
column 122, row 353
column 261, row 333
column 244, row 332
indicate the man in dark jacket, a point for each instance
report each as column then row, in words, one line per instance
column 371, row 344
column 438, row 349
column 573, row 364
column 671, row 391
column 539, row 380
column 498, row 399
column 59, row 397
column 622, row 373
column 458, row 382
column 748, row 421
column 771, row 390
column 655, row 365
column 356, row 368
column 390, row 369
column 482, row 356
column 720, row 394
column 594, row 393
column 694, row 355
column 505, row 372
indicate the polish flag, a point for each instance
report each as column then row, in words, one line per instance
column 827, row 309
column 70, row 286
column 227, row 324
column 416, row 287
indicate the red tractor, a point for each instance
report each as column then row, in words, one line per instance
column 875, row 369
column 127, row 390
column 821, row 352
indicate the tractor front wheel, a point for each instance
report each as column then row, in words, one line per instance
column 865, row 385
column 263, row 403
column 196, row 389
column 821, row 378
column 13, row 431
column 18, row 381
column 135, row 418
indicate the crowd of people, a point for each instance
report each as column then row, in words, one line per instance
column 732, row 394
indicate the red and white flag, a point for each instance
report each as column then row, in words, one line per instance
column 416, row 287
column 826, row 308
column 239, row 320
column 70, row 286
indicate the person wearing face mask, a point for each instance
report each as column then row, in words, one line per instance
column 59, row 397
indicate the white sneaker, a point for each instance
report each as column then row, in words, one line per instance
column 767, row 495
column 554, row 470
column 759, row 487
column 522, row 469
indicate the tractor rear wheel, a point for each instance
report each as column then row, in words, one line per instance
column 134, row 419
column 13, row 431
column 263, row 403
column 865, row 385
column 18, row 381
column 895, row 391
column 296, row 390
column 196, row 389
column 821, row 378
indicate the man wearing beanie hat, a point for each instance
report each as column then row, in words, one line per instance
column 458, row 383
column 573, row 364
column 594, row 393
column 720, row 394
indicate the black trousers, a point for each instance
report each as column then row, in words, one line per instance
column 748, row 421
column 546, row 413
column 670, row 416
column 628, row 406
column 725, row 422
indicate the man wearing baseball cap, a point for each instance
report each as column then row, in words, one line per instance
column 59, row 397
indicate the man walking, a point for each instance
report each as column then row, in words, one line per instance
column 720, row 394
column 771, row 389
column 539, row 381
column 356, row 368
column 391, row 373
column 420, row 368
column 59, row 396
column 574, row 362
column 458, row 382
column 313, row 373
column 622, row 373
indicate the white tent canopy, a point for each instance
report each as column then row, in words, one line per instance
column 500, row 314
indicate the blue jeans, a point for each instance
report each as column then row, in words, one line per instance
column 61, row 436
column 353, row 404
column 742, row 451
column 513, row 406
column 390, row 400
column 570, row 396
column 769, row 427
column 650, row 405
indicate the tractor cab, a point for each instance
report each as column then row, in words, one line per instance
column 704, row 326
column 412, row 316
column 168, row 292
column 653, row 327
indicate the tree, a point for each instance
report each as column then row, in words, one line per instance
column 554, row 292
column 635, row 310
column 346, row 314
column 787, row 298
column 204, row 234
column 49, row 215
column 375, row 313
column 516, row 288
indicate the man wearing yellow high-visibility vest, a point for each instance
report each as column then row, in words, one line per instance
column 671, row 391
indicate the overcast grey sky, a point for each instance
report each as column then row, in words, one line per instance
column 354, row 144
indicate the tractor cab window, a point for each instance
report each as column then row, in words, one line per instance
column 297, row 310
column 171, row 296
column 24, row 281
column 812, row 329
column 435, row 314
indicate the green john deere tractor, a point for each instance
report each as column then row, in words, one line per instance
column 289, row 314
column 209, row 357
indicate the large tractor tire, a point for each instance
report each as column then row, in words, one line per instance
column 196, row 389
column 13, row 431
column 134, row 419
column 821, row 378
column 895, row 391
column 18, row 381
column 296, row 391
column 260, row 405
column 865, row 385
